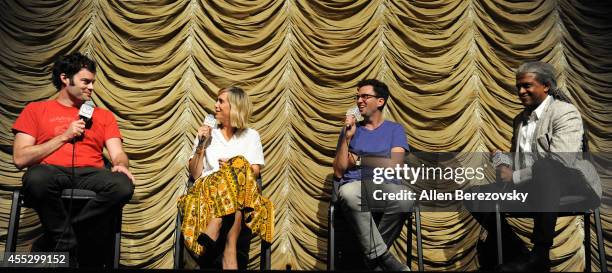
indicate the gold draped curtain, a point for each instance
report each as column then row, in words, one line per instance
column 449, row 65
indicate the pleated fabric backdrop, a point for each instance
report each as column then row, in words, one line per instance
column 449, row 64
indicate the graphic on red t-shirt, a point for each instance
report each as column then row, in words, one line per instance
column 47, row 119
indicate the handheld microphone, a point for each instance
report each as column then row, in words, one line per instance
column 354, row 111
column 85, row 113
column 86, row 110
column 500, row 159
column 211, row 122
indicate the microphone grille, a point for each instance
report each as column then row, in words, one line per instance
column 354, row 111
column 210, row 121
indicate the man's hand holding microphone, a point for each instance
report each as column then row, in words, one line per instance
column 503, row 166
column 349, row 127
column 352, row 115
column 75, row 130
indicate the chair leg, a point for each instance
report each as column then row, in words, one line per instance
column 417, row 211
column 178, row 241
column 603, row 262
column 409, row 240
column 498, row 228
column 331, row 239
column 13, row 227
column 587, row 242
column 265, row 261
column 117, row 246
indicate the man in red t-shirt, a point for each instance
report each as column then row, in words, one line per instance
column 62, row 151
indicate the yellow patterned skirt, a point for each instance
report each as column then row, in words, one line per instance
column 232, row 188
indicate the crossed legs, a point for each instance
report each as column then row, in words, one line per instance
column 230, row 260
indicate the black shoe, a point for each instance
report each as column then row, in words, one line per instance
column 73, row 259
column 527, row 263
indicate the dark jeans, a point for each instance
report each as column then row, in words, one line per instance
column 550, row 181
column 42, row 187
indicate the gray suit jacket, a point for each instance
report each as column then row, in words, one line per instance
column 558, row 135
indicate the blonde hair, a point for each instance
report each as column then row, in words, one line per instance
column 240, row 107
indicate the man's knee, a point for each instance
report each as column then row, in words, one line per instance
column 350, row 195
column 397, row 206
column 123, row 189
column 39, row 180
column 544, row 170
column 544, row 164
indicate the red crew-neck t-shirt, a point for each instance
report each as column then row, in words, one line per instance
column 45, row 120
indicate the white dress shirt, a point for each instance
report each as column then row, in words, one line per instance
column 525, row 140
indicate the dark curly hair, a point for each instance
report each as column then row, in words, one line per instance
column 380, row 88
column 70, row 65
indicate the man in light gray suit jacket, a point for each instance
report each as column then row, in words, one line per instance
column 547, row 142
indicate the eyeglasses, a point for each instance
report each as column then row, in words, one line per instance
column 365, row 97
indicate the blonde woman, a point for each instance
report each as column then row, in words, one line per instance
column 226, row 162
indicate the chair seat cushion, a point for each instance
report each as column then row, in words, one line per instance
column 78, row 194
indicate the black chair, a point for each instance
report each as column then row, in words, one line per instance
column 76, row 194
column 334, row 210
column 265, row 255
column 567, row 201
column 567, row 207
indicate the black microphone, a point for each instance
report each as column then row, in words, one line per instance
column 85, row 113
